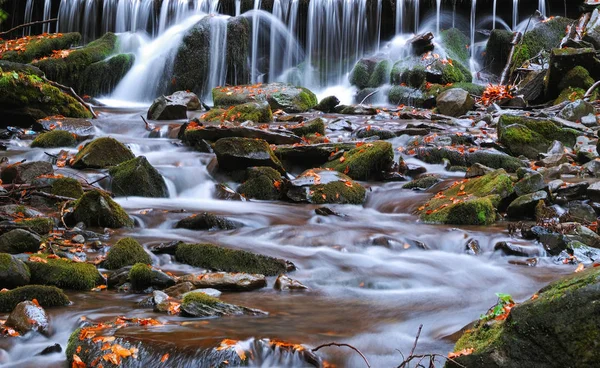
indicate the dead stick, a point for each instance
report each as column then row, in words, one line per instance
column 70, row 91
column 29, row 24
column 589, row 92
column 53, row 196
column 342, row 345
column 412, row 351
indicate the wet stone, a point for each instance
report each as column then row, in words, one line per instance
column 28, row 316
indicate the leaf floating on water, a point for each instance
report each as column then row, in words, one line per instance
column 580, row 268
column 164, row 358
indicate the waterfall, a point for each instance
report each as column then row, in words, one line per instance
column 542, row 7
column 255, row 26
column 378, row 25
column 399, row 16
column 218, row 49
column 89, row 21
column 47, row 15
column 417, row 14
column 238, row 7
column 28, row 16
column 494, row 14
column 276, row 60
column 515, row 15
column 438, row 9
column 473, row 15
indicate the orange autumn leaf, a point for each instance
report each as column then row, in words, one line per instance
column 37, row 259
column 77, row 362
column 463, row 352
column 164, row 358
column 579, row 268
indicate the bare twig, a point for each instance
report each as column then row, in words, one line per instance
column 589, row 92
column 53, row 196
column 148, row 127
column 412, row 356
column 412, row 351
column 28, row 25
column 369, row 95
column 344, row 345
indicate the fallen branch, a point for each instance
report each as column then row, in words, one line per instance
column 53, row 196
column 73, row 94
column 148, row 127
column 589, row 92
column 412, row 356
column 369, row 95
column 28, row 25
column 344, row 345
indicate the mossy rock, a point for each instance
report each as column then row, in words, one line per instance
column 217, row 258
column 37, row 47
column 261, row 184
column 413, row 76
column 497, row 50
column 279, row 96
column 55, row 138
column 240, row 153
column 456, row 44
column 578, row 77
column 310, row 127
column 96, row 208
column 557, row 328
column 435, row 90
column 47, row 296
column 24, row 94
column 321, row 186
column 206, row 221
column 470, row 202
column 102, row 153
column 40, row 225
column 571, row 94
column 192, row 60
column 141, row 276
column 126, row 252
column 403, row 95
column 455, row 73
column 360, row 76
column 380, row 75
column 257, row 112
column 562, row 62
column 422, row 183
column 365, row 162
column 101, row 77
column 238, row 50
column 19, row 241
column 67, row 187
column 70, row 70
column 13, row 271
column 64, row 273
column 137, row 177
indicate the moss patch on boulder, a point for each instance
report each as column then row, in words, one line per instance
column 258, row 112
column 19, row 241
column 365, row 162
column 67, row 187
column 102, row 153
column 37, row 47
column 140, row 276
column 217, row 258
column 96, row 208
column 101, row 77
column 279, row 96
column 240, row 153
column 126, row 252
column 137, row 177
column 578, row 77
column 63, row 273
column 13, row 272
column 47, row 296
column 55, row 138
column 41, row 225
column 310, row 127
column 263, row 183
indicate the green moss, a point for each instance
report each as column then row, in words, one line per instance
column 140, row 276
column 577, row 77
column 41, row 46
column 137, row 177
column 569, row 94
column 70, row 70
column 482, row 336
column 239, row 153
column 314, row 126
column 497, row 50
column 25, row 91
column 456, row 44
column 365, row 162
column 64, row 273
column 424, row 182
column 102, row 153
column 360, row 75
column 258, row 112
column 67, row 187
column 199, row 299
column 126, row 252
column 414, row 77
column 55, row 138
column 47, row 296
column 19, row 241
column 72, row 345
column 260, row 184
column 568, row 284
column 380, row 75
column 96, row 208
column 41, row 225
column 453, row 74
column 338, row 192
column 101, row 77
column 213, row 257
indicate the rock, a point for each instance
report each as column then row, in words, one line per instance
column 227, row 194
column 284, row 283
column 167, row 109
column 534, row 334
column 580, row 212
column 576, row 110
column 593, row 191
column 257, row 112
column 511, row 249
column 213, row 257
column 102, row 153
column 455, row 102
column 497, row 50
column 193, row 136
column 589, row 121
column 314, row 126
column 52, row 349
column 355, row 110
column 262, row 183
column 327, row 104
column 66, row 187
column 320, row 186
column 28, row 316
column 202, row 305
column 96, row 208
column 562, row 60
column 310, row 155
column 531, row 182
column 38, row 225
column 478, row 199
column 155, row 299
column 423, row 183
column 25, row 98
column 19, row 241
column 63, row 273
column 578, row 77
column 572, row 191
column 366, row 162
column 210, row 292
column 524, row 206
column 206, row 221
column 82, row 128
column 13, row 272
column 187, row 98
column 101, row 77
column 47, row 296
column 54, row 138
column 241, row 153
column 143, row 276
column 403, row 95
column 370, row 73
column 280, row 96
column 226, row 281
column 26, row 172
column 456, row 157
column 177, row 290
column 37, row 48
column 126, row 252
column 477, row 170
column 379, row 133
column 137, row 177
column 472, row 247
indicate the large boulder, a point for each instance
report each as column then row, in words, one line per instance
column 206, row 221
column 280, row 96
column 562, row 61
column 26, row 172
column 240, row 153
column 13, row 272
column 53, row 139
column 126, row 252
column 576, row 110
column 101, row 153
column 19, row 241
column 101, row 77
column 257, row 112
column 63, row 273
column 525, row 205
column 455, row 102
column 321, row 186
column 262, row 183
column 27, row 49
column 164, row 108
column 27, row 317
column 96, row 208
column 137, row 177
column 187, row 98
column 370, row 73
column 497, row 50
column 555, row 328
column 47, row 296
column 364, row 162
column 194, row 134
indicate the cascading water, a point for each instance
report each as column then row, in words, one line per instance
column 472, row 27
column 399, row 16
column 438, row 10
column 255, row 27
column 515, row 14
column 28, row 16
column 494, row 14
column 542, row 7
column 218, row 45
column 46, row 28
column 417, row 14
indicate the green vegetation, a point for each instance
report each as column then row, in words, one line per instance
column 47, row 296
column 365, row 162
column 54, row 138
column 137, row 177
column 96, row 208
column 126, row 252
column 63, row 273
column 102, row 153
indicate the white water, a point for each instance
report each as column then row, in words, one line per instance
column 438, row 10
column 515, row 17
column 399, row 16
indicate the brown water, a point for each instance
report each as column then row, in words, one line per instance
column 371, row 296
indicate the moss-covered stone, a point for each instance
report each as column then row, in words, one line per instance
column 192, row 61
column 198, row 298
column 63, row 273
column 403, row 95
column 54, row 138
column 206, row 221
column 434, row 90
column 101, row 77
column 497, row 50
column 557, row 328
column 96, row 208
column 29, row 95
column 137, row 177
column 365, row 162
column 578, row 77
column 414, row 76
column 102, row 153
column 262, row 183
column 279, row 96
column 214, row 257
column 258, row 112
column 380, row 75
column 70, row 70
column 126, row 252
column 240, row 153
column 238, row 50
column 13, row 272
column 310, row 127
column 456, row 44
column 141, row 276
column 424, row 182
column 37, row 47
column 570, row 94
column 19, row 241
column 67, row 187
column 360, row 75
column 41, row 225
column 470, row 202
column 47, row 296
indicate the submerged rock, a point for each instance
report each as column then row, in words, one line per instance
column 28, row 316
column 137, row 177
column 126, row 252
column 13, row 272
column 241, row 153
column 321, row 186
column 96, row 208
column 206, row 221
column 280, row 96
column 226, row 281
column 203, row 305
column 102, row 153
column 167, row 109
